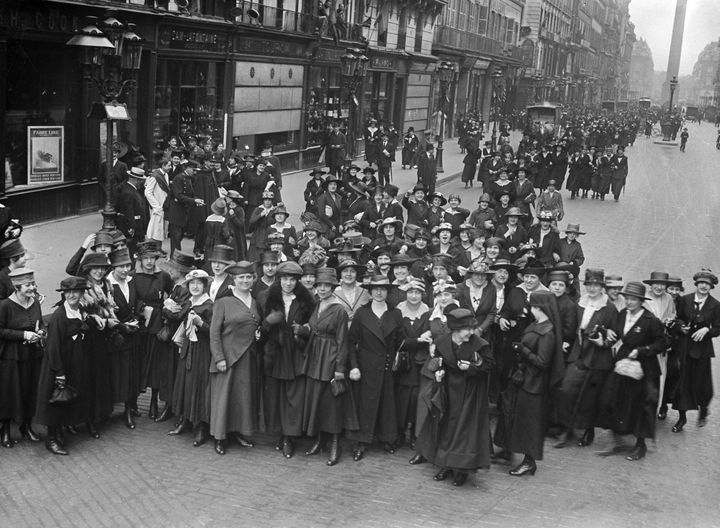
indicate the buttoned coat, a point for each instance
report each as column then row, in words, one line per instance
column 182, row 197
column 157, row 189
column 485, row 312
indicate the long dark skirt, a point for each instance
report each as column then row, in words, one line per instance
column 191, row 394
column 126, row 369
column 284, row 404
column 629, row 406
column 694, row 386
column 235, row 398
column 100, row 384
column 159, row 358
column 384, row 427
column 407, row 386
column 522, row 425
column 325, row 413
column 578, row 400
column 11, row 401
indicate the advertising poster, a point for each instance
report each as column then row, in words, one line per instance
column 45, row 154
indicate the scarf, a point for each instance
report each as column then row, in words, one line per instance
column 410, row 314
column 190, row 327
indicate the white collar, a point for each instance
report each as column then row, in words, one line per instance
column 71, row 313
column 113, row 280
column 204, row 297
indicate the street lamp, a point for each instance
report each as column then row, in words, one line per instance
column 538, row 77
column 446, row 72
column 673, row 86
column 497, row 76
column 353, row 67
column 110, row 52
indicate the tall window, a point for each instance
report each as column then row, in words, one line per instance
column 419, row 27
column 402, row 29
column 382, row 29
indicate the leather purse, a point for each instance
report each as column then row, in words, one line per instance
column 401, row 364
column 338, row 387
column 164, row 334
column 63, row 395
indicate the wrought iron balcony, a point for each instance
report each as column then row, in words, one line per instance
column 467, row 42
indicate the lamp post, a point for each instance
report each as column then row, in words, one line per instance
column 353, row 67
column 446, row 72
column 673, row 86
column 538, row 79
column 110, row 52
column 497, row 75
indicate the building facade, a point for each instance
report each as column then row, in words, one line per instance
column 642, row 69
column 706, row 74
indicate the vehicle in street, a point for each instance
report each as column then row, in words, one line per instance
column 545, row 116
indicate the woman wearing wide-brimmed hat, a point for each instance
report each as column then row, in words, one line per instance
column 287, row 306
column 376, row 333
column 313, row 190
column 629, row 403
column 12, row 256
column 126, row 357
column 22, row 332
column 257, row 183
column 283, row 227
column 261, row 218
column 700, row 316
column 64, row 365
column 100, row 307
column 456, row 436
column 236, row 223
column 538, row 367
column 330, row 203
column 327, row 409
column 350, row 292
column 191, row 393
column 590, row 361
column 389, row 235
column 219, row 258
column 235, row 377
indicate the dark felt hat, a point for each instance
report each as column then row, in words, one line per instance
column 12, row 248
column 120, row 257
column 658, row 276
column 72, row 283
column 326, row 276
column 93, row 259
column 379, row 281
column 270, row 257
column 460, row 318
column 221, row 253
column 634, row 289
column 594, row 276
column 182, row 262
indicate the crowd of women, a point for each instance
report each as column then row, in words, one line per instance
column 445, row 339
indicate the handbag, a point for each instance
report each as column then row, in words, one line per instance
column 179, row 337
column 401, row 364
column 63, row 395
column 164, row 334
column 630, row 368
column 338, row 387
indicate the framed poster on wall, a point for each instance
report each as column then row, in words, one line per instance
column 45, row 154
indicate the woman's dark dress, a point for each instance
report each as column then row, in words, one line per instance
column 191, row 395
column 19, row 361
column 407, row 384
column 126, row 355
column 65, row 354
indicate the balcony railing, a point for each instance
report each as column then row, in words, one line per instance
column 472, row 42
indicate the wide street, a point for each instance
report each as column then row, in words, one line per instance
column 666, row 220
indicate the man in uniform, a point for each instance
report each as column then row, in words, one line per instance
column 132, row 211
column 182, row 199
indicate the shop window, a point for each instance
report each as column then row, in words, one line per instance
column 326, row 103
column 188, row 102
column 39, row 136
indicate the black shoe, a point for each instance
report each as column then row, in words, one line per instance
column 317, row 446
column 334, row 457
column 614, row 451
column 460, row 478
column 242, row 441
column 71, row 429
column 165, row 414
column 587, row 438
column 417, row 459
column 5, row 439
column 388, row 447
column 129, row 420
column 288, row 448
column 180, row 428
column 662, row 414
column 637, row 453
column 52, row 445
column 92, row 431
column 702, row 417
column 524, row 468
column 201, row 435
column 679, row 425
column 153, row 410
column 220, row 447
column 442, row 474
column 27, row 433
column 565, row 442
column 135, row 411
column 358, row 453
column 279, row 444
column 60, row 437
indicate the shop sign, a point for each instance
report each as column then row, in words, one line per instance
column 45, row 154
column 19, row 20
column 185, row 39
column 329, row 54
column 383, row 63
column 269, row 47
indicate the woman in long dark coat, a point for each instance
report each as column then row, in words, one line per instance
column 539, row 366
column 375, row 335
column 700, row 314
column 65, row 364
column 326, row 411
column 235, row 377
column 191, row 394
column 416, row 324
column 260, row 220
column 21, row 333
column 126, row 357
column 152, row 286
column 287, row 307
column 256, row 185
column 100, row 307
column 629, row 406
column 457, row 438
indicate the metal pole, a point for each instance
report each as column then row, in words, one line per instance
column 439, row 159
column 108, row 212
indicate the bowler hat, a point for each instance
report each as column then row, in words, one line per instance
column 72, row 283
column 12, row 248
column 221, row 253
column 657, row 276
column 460, row 318
column 326, row 276
column 634, row 289
column 120, row 257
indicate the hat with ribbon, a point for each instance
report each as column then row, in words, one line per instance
column 150, row 248
column 413, row 283
column 72, row 283
column 676, row 281
column 120, row 257
column 594, row 276
column 350, row 263
column 137, row 172
column 704, row 275
column 198, row 274
column 390, row 220
column 559, row 276
column 11, row 248
column 102, row 238
column 613, row 281
column 221, row 253
column 480, row 267
column 270, row 257
column 503, row 264
column 658, row 277
column 634, row 289
column 439, row 195
column 219, row 207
